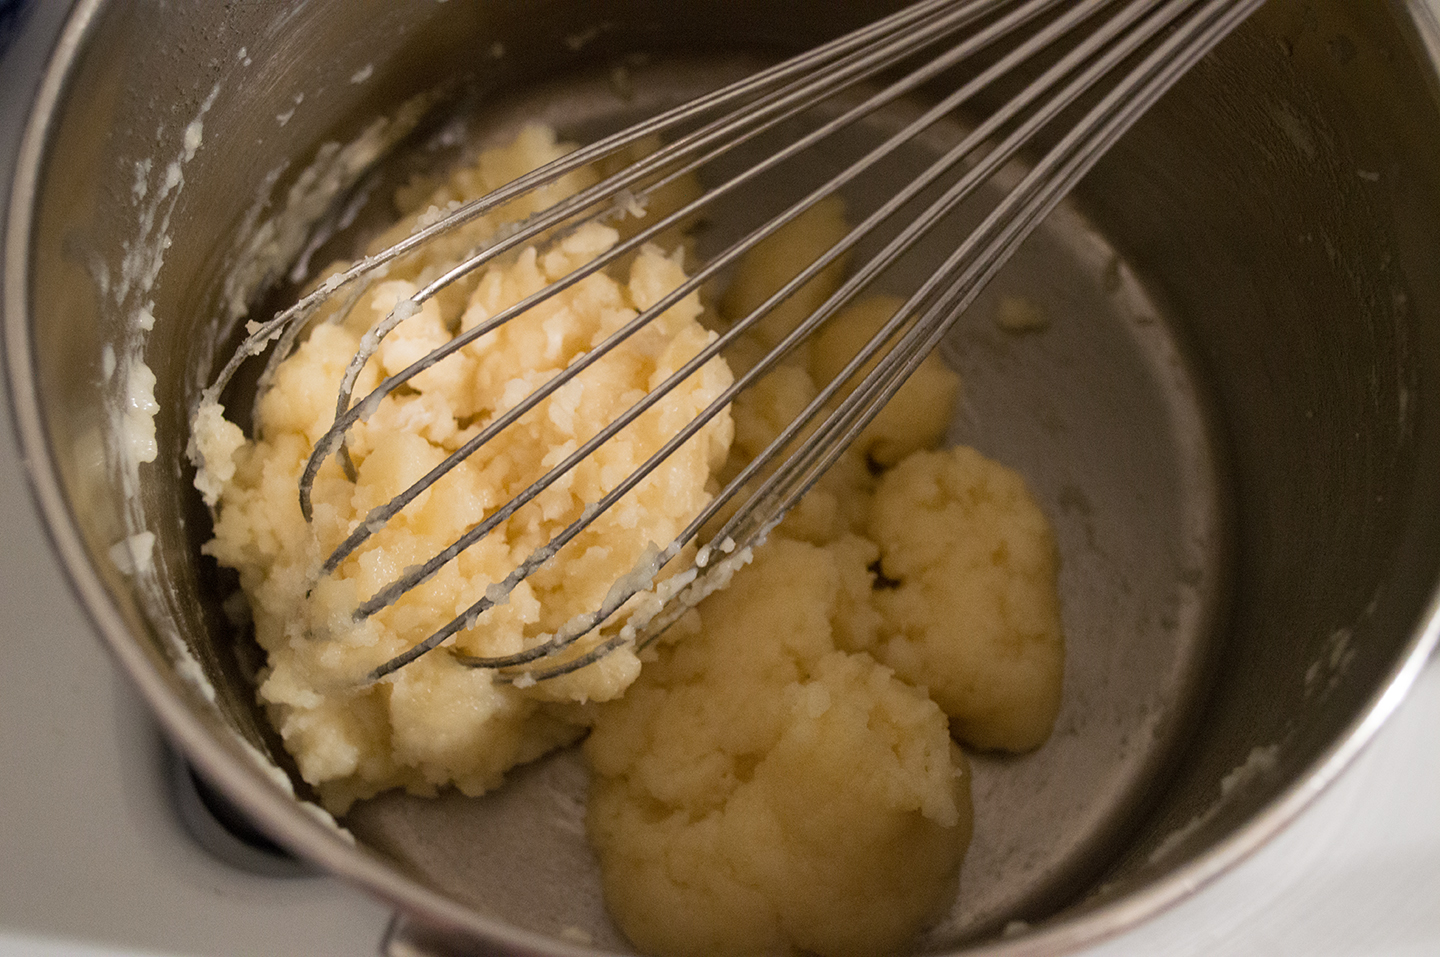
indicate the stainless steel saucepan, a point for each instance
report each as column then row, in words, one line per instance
column 1232, row 415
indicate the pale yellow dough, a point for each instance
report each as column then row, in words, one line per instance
column 760, row 791
column 769, row 786
column 973, row 615
column 437, row 722
column 781, row 777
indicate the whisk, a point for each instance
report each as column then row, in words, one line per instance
column 1073, row 75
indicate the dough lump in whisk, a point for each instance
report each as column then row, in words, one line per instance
column 436, row 722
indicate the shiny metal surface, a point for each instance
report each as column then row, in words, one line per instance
column 1278, row 212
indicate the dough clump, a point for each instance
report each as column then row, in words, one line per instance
column 782, row 777
column 437, row 722
column 760, row 791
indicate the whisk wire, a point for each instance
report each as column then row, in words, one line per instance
column 861, row 60
column 347, row 415
column 851, row 288
column 1159, row 39
column 1042, row 189
column 1022, row 210
column 1009, row 224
